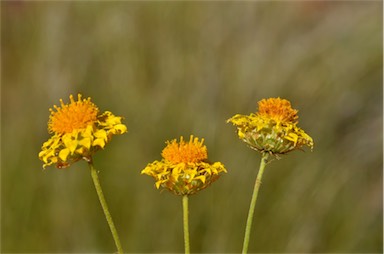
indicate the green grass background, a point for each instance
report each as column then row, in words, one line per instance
column 180, row 68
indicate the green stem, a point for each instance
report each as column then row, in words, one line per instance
column 253, row 202
column 104, row 205
column 185, row 222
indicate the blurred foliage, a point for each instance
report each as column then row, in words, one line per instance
column 180, row 68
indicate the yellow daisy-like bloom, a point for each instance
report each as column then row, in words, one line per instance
column 184, row 169
column 273, row 129
column 79, row 130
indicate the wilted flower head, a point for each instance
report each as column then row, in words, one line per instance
column 273, row 129
column 184, row 169
column 79, row 130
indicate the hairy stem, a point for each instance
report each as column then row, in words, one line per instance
column 253, row 202
column 186, row 226
column 104, row 205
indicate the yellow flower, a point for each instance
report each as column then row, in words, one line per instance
column 79, row 130
column 184, row 169
column 273, row 129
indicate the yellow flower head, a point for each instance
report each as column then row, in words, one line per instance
column 278, row 110
column 79, row 130
column 273, row 129
column 184, row 169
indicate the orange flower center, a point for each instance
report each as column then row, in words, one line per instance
column 75, row 115
column 192, row 151
column 277, row 109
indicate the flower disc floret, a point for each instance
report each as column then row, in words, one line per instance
column 273, row 129
column 79, row 130
column 75, row 115
column 184, row 169
column 277, row 109
column 192, row 151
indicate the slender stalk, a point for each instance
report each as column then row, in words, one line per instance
column 253, row 202
column 186, row 226
column 104, row 205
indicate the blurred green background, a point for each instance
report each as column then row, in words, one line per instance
column 180, row 68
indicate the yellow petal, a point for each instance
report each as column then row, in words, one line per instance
column 201, row 178
column 87, row 133
column 70, row 142
column 119, row 129
column 85, row 142
column 99, row 142
column 292, row 137
column 112, row 119
column 158, row 183
column 63, row 154
column 101, row 134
